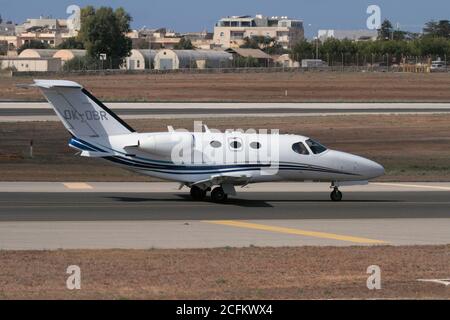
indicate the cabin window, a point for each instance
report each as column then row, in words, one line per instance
column 300, row 148
column 235, row 144
column 215, row 144
column 255, row 145
column 315, row 147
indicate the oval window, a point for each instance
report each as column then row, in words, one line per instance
column 255, row 145
column 215, row 144
column 235, row 144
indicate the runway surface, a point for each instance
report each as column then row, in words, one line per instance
column 157, row 215
column 22, row 111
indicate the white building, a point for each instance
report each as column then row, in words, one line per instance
column 185, row 59
column 140, row 59
column 285, row 61
column 68, row 54
column 37, row 53
column 30, row 64
column 230, row 32
column 354, row 35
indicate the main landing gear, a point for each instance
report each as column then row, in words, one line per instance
column 336, row 195
column 198, row 194
column 217, row 194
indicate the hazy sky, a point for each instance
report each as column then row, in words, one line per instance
column 196, row 15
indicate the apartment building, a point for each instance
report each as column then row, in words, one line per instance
column 354, row 35
column 230, row 32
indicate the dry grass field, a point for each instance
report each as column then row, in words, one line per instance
column 227, row 273
column 252, row 87
column 411, row 147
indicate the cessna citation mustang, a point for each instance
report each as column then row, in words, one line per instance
column 97, row 132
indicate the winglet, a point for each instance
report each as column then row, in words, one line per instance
column 55, row 83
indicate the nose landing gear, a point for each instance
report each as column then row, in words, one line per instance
column 336, row 195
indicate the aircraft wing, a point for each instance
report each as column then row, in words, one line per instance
column 223, row 180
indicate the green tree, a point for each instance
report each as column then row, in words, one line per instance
column 71, row 43
column 246, row 62
column 437, row 47
column 302, row 50
column 184, row 44
column 386, row 30
column 267, row 44
column 103, row 32
column 440, row 29
column 82, row 63
column 33, row 44
column 250, row 43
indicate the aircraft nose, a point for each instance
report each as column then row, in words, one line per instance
column 370, row 169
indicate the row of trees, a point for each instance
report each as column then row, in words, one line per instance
column 336, row 50
column 391, row 46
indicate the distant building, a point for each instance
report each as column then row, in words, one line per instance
column 50, row 25
column 11, row 41
column 30, row 64
column 140, row 59
column 230, row 32
column 354, row 35
column 68, row 54
column 47, row 30
column 37, row 53
column 263, row 58
column 285, row 61
column 51, row 38
column 8, row 37
column 52, row 56
column 314, row 63
column 196, row 59
column 200, row 40
column 144, row 38
column 7, row 29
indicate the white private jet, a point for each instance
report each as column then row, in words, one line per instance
column 222, row 160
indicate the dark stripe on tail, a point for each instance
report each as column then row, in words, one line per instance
column 112, row 114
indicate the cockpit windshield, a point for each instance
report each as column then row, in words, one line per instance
column 315, row 147
column 300, row 148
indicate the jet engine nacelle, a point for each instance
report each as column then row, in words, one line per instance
column 165, row 143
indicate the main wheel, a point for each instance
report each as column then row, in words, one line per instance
column 336, row 195
column 218, row 195
column 197, row 194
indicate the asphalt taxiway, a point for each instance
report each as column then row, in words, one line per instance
column 29, row 111
column 158, row 215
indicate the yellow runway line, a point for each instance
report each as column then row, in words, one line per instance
column 315, row 234
column 77, row 185
column 411, row 186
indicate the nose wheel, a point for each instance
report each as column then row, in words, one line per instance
column 336, row 195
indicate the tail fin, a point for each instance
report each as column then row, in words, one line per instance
column 81, row 113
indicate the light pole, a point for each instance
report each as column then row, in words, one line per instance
column 317, row 47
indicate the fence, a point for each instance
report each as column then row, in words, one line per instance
column 348, row 64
